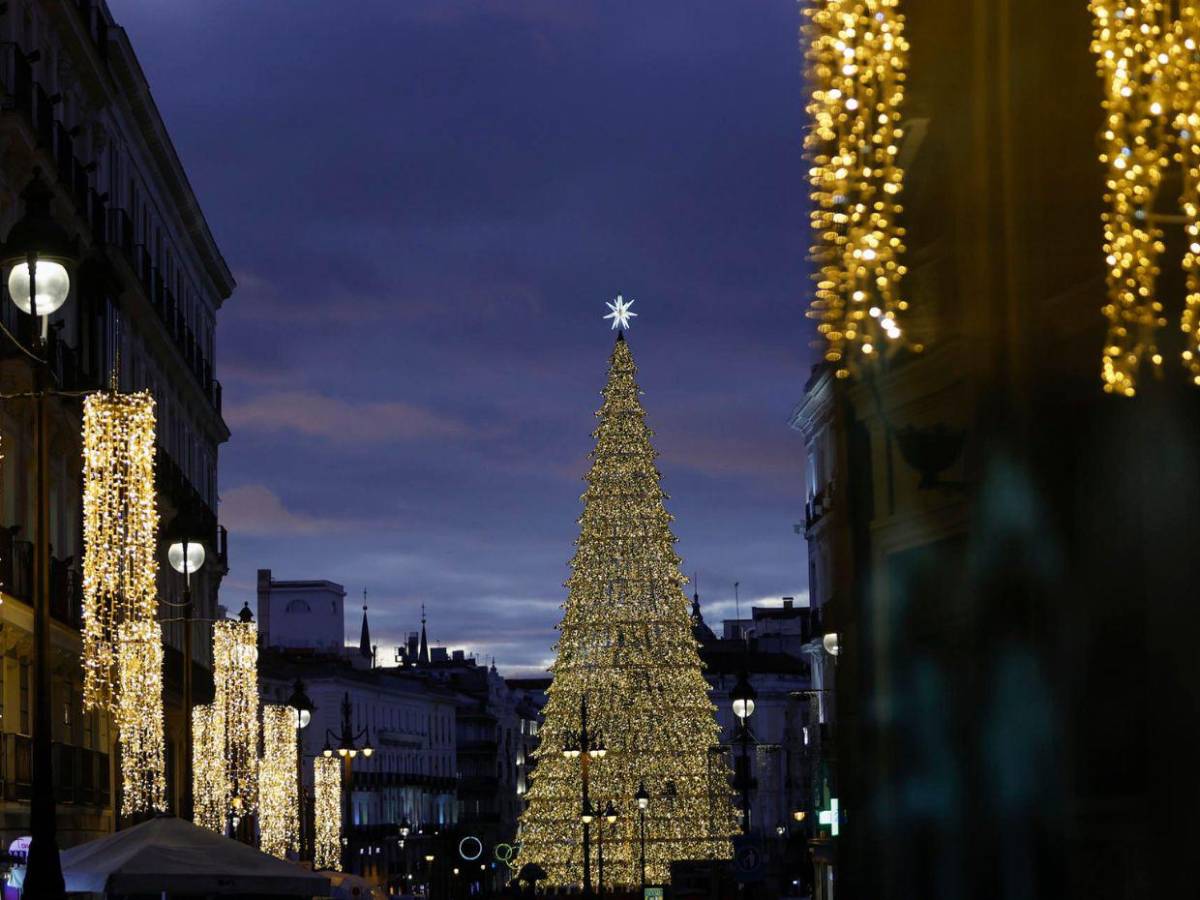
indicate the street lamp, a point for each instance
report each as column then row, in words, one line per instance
column 610, row 818
column 585, row 746
column 832, row 643
column 347, row 748
column 643, row 800
column 37, row 257
column 429, row 858
column 303, row 705
column 743, row 697
column 186, row 556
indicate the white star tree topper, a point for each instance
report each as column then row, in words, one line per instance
column 620, row 312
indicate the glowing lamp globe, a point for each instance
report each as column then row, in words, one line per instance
column 186, row 557
column 831, row 644
column 367, row 751
column 743, row 697
column 642, row 798
column 37, row 239
column 301, row 703
column 53, row 286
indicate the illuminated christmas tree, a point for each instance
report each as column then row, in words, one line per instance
column 626, row 644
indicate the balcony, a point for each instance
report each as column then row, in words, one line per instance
column 81, row 775
column 173, row 482
column 91, row 206
column 16, row 578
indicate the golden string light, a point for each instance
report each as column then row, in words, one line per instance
column 1148, row 56
column 327, row 812
column 120, row 525
column 278, row 823
column 235, row 681
column 857, row 55
column 140, row 718
column 626, row 643
column 210, row 786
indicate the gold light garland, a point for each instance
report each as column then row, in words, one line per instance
column 626, row 643
column 120, row 525
column 278, row 822
column 140, row 717
column 857, row 55
column 1148, row 57
column 210, row 786
column 327, row 812
column 235, row 679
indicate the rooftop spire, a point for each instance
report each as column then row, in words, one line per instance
column 364, row 642
column 423, row 653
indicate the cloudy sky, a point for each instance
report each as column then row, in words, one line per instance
column 426, row 204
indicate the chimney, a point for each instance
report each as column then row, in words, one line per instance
column 788, row 601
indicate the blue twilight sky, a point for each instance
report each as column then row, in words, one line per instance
column 426, row 204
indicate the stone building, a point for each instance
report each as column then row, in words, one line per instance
column 146, row 291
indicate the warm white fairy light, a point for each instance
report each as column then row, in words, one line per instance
column 140, row 718
column 327, row 812
column 857, row 55
column 278, row 822
column 120, row 526
column 235, row 681
column 210, row 787
column 1148, row 56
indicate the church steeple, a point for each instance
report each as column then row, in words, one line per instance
column 700, row 630
column 423, row 653
column 364, row 642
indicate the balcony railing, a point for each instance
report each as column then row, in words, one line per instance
column 16, row 578
column 81, row 775
column 37, row 108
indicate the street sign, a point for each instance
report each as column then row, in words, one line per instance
column 653, row 893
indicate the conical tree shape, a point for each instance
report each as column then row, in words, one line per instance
column 626, row 643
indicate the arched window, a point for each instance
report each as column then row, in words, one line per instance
column 298, row 605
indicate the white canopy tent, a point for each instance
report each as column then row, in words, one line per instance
column 170, row 856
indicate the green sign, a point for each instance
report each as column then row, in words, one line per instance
column 653, row 893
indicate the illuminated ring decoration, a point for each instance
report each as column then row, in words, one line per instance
column 470, row 841
column 506, row 854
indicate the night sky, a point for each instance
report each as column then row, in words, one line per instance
column 426, row 204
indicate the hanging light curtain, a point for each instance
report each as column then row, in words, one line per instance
column 857, row 56
column 210, row 787
column 140, row 718
column 120, row 526
column 278, row 815
column 235, row 677
column 1148, row 56
column 327, row 812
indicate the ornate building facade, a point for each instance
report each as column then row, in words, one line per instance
column 146, row 292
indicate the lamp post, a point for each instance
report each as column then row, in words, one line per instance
column 185, row 557
column 405, row 830
column 300, row 702
column 347, row 748
column 743, row 697
column 585, row 746
column 643, row 801
column 610, row 818
column 37, row 256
